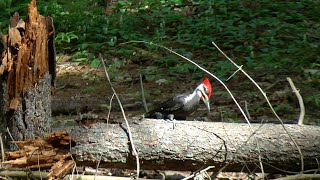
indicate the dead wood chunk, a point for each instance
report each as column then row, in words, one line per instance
column 15, row 38
column 60, row 169
column 20, row 162
column 21, row 144
column 62, row 155
column 57, row 135
column 4, row 62
column 38, row 142
column 38, row 158
column 41, row 166
column 15, row 154
column 30, row 149
column 34, row 158
column 50, row 153
column 59, row 139
column 40, row 153
column 14, row 34
column 14, row 103
column 29, row 143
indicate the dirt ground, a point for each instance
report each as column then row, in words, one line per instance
column 88, row 92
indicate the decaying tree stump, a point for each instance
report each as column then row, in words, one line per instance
column 193, row 145
column 27, row 74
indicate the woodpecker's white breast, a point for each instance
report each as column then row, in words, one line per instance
column 190, row 97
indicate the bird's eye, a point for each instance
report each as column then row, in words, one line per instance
column 205, row 89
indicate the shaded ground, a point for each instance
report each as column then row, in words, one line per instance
column 87, row 90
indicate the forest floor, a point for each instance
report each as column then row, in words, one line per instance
column 87, row 87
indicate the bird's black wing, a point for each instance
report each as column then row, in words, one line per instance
column 172, row 104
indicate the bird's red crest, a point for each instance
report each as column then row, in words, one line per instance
column 207, row 83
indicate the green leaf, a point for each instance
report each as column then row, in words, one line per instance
column 95, row 63
column 80, row 59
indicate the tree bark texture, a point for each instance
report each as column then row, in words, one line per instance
column 27, row 72
column 193, row 145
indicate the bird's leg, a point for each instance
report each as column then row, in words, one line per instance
column 171, row 118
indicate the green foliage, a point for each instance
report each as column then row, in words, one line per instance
column 182, row 68
column 65, row 37
column 283, row 108
column 88, row 89
column 95, row 63
column 151, row 73
column 223, row 69
column 87, row 58
column 263, row 35
column 82, row 56
column 63, row 40
column 314, row 99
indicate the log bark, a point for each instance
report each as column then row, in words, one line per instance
column 27, row 73
column 193, row 145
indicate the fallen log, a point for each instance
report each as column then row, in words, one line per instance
column 193, row 145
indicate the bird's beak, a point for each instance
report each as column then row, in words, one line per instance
column 206, row 101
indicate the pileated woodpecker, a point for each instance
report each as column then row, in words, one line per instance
column 182, row 105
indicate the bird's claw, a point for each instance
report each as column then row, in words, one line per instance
column 171, row 118
column 173, row 123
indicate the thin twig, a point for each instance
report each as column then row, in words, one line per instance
column 302, row 109
column 207, row 175
column 39, row 169
column 109, row 112
column 200, row 172
column 300, row 176
column 98, row 164
column 246, row 108
column 265, row 96
column 142, row 94
column 318, row 166
column 75, row 165
column 134, row 151
column 11, row 137
column 100, row 177
column 2, row 150
column 73, row 170
column 234, row 73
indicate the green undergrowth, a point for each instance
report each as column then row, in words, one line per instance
column 267, row 37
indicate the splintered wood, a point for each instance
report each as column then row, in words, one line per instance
column 28, row 55
column 51, row 152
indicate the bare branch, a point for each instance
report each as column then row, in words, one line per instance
column 234, row 73
column 11, row 137
column 246, row 108
column 110, row 107
column 302, row 109
column 201, row 172
column 2, row 150
column 134, row 151
column 142, row 94
column 301, row 177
